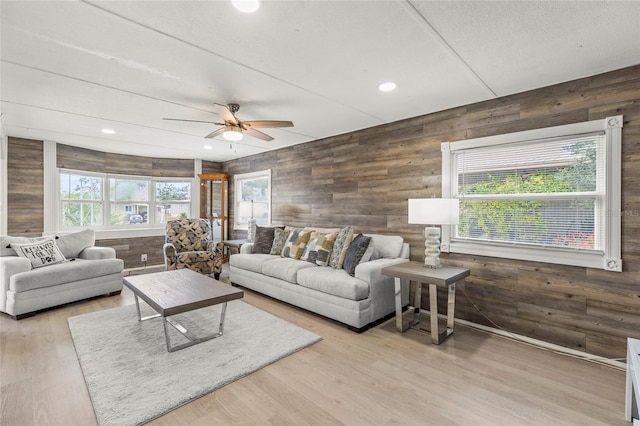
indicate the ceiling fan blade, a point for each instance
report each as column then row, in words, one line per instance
column 227, row 115
column 267, row 123
column 215, row 133
column 258, row 134
column 192, row 121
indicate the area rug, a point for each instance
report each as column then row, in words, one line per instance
column 131, row 377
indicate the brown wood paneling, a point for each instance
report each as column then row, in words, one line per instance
column 165, row 167
column 74, row 158
column 25, row 187
column 211, row 167
column 130, row 249
column 364, row 179
column 129, row 164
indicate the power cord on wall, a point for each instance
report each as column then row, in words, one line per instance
column 609, row 362
column 131, row 273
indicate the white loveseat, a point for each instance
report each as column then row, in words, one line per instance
column 358, row 301
column 87, row 271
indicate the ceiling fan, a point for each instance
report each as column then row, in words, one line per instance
column 233, row 128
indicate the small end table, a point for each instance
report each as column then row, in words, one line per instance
column 444, row 277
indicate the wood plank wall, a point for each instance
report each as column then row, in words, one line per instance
column 25, row 187
column 364, row 179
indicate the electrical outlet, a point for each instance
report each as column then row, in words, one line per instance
column 143, row 258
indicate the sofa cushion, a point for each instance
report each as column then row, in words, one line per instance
column 386, row 246
column 355, row 252
column 285, row 268
column 296, row 242
column 6, row 240
column 279, row 239
column 69, row 271
column 40, row 253
column 340, row 247
column 335, row 282
column 251, row 262
column 73, row 243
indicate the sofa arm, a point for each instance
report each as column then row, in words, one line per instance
column 380, row 285
column 170, row 256
column 9, row 266
column 246, row 248
column 97, row 253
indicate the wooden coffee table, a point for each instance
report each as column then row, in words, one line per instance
column 174, row 292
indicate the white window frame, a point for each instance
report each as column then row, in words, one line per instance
column 237, row 185
column 608, row 259
column 106, row 230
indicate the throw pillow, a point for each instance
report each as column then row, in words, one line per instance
column 354, row 254
column 6, row 240
column 296, row 242
column 340, row 247
column 72, row 244
column 324, row 247
column 40, row 253
column 279, row 239
column 264, row 239
column 320, row 243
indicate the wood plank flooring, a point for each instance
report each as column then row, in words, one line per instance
column 378, row 377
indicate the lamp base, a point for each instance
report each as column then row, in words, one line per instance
column 251, row 230
column 432, row 247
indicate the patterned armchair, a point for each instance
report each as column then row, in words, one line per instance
column 189, row 244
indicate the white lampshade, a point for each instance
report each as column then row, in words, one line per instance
column 245, row 209
column 434, row 211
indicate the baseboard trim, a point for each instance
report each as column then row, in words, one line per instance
column 544, row 345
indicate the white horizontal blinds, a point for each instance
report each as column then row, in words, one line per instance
column 543, row 192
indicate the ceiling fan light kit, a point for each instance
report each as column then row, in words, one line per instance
column 233, row 128
column 231, row 133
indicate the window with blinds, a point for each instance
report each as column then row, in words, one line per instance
column 549, row 195
column 545, row 192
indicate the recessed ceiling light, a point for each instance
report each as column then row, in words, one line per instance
column 386, row 87
column 208, row 147
column 108, row 131
column 246, row 6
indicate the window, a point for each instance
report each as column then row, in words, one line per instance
column 117, row 202
column 81, row 200
column 548, row 195
column 252, row 194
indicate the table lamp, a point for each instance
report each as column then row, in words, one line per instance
column 245, row 209
column 433, row 211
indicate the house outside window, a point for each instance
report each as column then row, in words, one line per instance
column 252, row 195
column 548, row 195
column 104, row 202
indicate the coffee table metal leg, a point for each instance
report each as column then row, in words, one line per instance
column 193, row 340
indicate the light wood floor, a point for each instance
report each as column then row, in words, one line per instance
column 378, row 377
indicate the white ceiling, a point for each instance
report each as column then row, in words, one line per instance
column 71, row 68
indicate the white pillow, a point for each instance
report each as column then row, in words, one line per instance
column 6, row 240
column 41, row 253
column 72, row 244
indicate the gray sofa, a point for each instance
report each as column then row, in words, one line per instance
column 358, row 301
column 86, row 272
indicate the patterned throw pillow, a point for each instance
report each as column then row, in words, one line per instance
column 264, row 239
column 354, row 254
column 41, row 253
column 319, row 247
column 340, row 247
column 279, row 239
column 296, row 242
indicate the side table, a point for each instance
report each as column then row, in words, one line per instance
column 444, row 277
